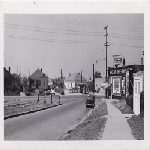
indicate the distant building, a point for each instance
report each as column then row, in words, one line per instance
column 74, row 80
column 7, row 80
column 98, row 83
column 39, row 80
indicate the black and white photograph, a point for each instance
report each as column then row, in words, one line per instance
column 73, row 77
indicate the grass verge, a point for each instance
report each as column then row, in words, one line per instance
column 123, row 107
column 22, row 108
column 92, row 127
column 136, row 124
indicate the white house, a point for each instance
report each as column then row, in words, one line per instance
column 74, row 80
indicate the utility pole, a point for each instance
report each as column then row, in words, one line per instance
column 20, row 70
column 17, row 69
column 106, row 44
column 62, row 79
column 81, row 76
column 29, row 81
column 93, row 80
column 61, row 73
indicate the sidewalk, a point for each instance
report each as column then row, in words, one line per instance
column 116, row 127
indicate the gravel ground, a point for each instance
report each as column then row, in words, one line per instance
column 92, row 127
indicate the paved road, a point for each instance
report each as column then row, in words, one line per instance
column 48, row 124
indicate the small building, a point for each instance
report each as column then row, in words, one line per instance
column 74, row 81
column 39, row 80
column 121, row 79
column 138, row 88
column 8, row 79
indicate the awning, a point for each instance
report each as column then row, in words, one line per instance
column 105, row 85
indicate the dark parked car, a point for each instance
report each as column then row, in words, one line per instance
column 90, row 101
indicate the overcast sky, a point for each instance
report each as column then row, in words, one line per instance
column 71, row 42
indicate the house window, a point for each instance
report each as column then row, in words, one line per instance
column 7, row 82
column 33, row 82
column 71, row 85
column 39, row 82
column 44, row 83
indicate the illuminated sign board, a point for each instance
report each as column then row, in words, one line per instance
column 118, row 71
column 118, row 60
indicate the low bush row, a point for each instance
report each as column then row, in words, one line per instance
column 60, row 90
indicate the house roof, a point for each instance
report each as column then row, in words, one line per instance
column 38, row 74
column 7, row 74
column 75, row 77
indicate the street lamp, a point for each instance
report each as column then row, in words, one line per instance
column 100, row 60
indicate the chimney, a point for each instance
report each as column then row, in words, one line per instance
column 9, row 69
column 41, row 69
column 69, row 74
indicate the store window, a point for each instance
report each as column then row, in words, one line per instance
column 138, row 87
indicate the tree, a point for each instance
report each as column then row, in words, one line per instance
column 58, row 82
column 16, row 82
column 97, row 74
column 24, row 80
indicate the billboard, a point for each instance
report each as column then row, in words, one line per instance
column 116, row 85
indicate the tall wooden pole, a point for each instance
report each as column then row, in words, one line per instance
column 93, row 80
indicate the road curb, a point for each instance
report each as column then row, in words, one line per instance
column 29, row 112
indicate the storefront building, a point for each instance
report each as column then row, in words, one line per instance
column 121, row 80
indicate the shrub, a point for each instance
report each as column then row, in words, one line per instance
column 142, row 101
column 129, row 100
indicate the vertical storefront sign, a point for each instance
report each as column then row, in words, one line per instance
column 116, row 85
column 123, row 85
column 127, row 83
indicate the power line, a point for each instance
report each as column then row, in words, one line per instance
column 73, row 32
column 51, row 29
column 128, row 36
column 82, row 23
column 49, row 40
column 70, row 32
column 122, row 44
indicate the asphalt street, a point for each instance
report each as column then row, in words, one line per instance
column 49, row 124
